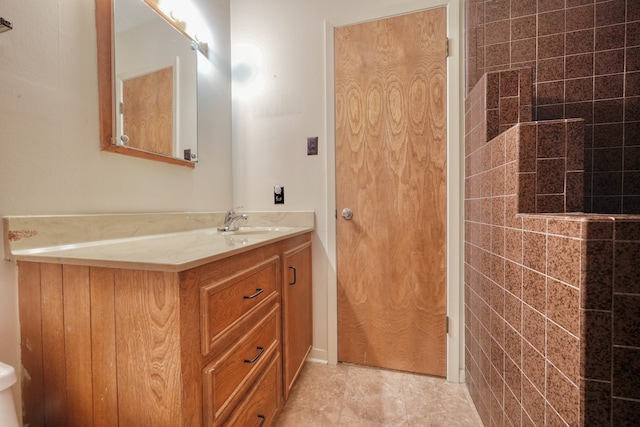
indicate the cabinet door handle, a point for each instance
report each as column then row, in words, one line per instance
column 295, row 275
column 262, row 420
column 258, row 292
column 260, row 351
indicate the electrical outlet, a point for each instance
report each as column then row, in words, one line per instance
column 278, row 195
column 312, row 146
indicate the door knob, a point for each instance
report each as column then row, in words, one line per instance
column 347, row 213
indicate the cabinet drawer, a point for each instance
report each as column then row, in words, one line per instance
column 260, row 408
column 227, row 378
column 225, row 303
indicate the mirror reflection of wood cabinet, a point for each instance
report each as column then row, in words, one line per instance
column 202, row 347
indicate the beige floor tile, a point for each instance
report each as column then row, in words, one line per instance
column 375, row 395
column 320, row 387
column 435, row 402
column 295, row 416
column 354, row 396
column 346, row 421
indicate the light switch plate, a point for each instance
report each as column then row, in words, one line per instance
column 312, row 146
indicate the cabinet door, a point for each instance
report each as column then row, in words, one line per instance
column 297, row 321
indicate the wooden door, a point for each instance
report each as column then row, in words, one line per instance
column 148, row 111
column 391, row 172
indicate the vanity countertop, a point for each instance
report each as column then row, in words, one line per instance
column 137, row 241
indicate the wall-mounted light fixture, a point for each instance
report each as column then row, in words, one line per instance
column 203, row 47
column 5, row 25
column 185, row 18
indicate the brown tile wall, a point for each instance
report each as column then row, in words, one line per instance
column 585, row 57
column 549, row 162
column 548, row 152
column 503, row 99
column 552, row 302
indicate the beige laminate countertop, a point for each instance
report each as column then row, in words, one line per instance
column 124, row 247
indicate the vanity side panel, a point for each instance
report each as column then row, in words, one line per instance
column 190, row 348
column 53, row 330
column 29, row 300
column 55, row 305
column 103, row 347
column 77, row 323
column 147, row 309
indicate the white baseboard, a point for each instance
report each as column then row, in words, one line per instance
column 317, row 355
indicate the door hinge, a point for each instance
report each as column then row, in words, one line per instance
column 447, row 46
column 447, row 324
column 122, row 106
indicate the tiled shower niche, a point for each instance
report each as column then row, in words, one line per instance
column 585, row 58
column 552, row 295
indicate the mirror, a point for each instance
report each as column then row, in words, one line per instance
column 147, row 69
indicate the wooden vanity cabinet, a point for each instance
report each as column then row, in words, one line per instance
column 296, row 300
column 201, row 347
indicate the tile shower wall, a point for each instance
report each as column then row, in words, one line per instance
column 549, row 153
column 552, row 302
column 585, row 57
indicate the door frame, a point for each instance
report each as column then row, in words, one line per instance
column 455, row 175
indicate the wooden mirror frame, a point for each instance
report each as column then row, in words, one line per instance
column 106, row 89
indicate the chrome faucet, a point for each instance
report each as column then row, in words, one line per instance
column 231, row 220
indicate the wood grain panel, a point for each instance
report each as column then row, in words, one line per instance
column 297, row 334
column 103, row 347
column 391, row 171
column 53, row 341
column 192, row 408
column 148, row 111
column 29, row 300
column 77, row 341
column 148, row 348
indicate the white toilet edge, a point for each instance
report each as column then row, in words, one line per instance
column 7, row 376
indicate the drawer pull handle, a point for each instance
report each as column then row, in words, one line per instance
column 258, row 292
column 260, row 351
column 295, row 276
column 262, row 420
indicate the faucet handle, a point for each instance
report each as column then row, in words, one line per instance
column 231, row 213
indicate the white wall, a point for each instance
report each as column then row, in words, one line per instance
column 50, row 161
column 285, row 41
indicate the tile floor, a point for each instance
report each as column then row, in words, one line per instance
column 353, row 396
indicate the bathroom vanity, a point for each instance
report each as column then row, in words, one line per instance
column 120, row 332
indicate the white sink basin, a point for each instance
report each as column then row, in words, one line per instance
column 257, row 230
